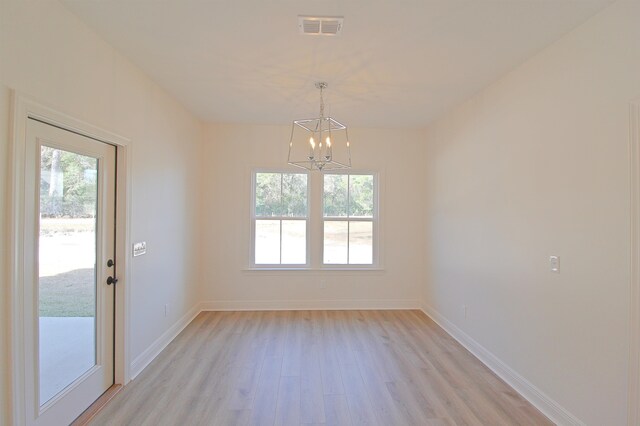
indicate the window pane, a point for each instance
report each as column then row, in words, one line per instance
column 361, row 195
column 267, row 242
column 268, row 191
column 335, row 195
column 67, row 274
column 361, row 243
column 335, row 242
column 294, row 195
column 294, row 242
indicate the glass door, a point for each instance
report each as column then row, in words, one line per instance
column 67, row 273
column 72, row 314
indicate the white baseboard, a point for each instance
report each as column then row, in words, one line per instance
column 145, row 358
column 311, row 305
column 550, row 408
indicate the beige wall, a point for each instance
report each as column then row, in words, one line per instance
column 47, row 54
column 233, row 151
column 537, row 165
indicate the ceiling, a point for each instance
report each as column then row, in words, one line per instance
column 396, row 64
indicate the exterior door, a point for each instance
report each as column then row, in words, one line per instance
column 69, row 307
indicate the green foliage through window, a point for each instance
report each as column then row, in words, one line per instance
column 348, row 195
column 281, row 194
column 68, row 183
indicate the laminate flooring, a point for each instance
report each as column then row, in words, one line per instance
column 317, row 367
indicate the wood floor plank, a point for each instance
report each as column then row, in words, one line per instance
column 266, row 396
column 316, row 367
column 311, row 395
column 292, row 356
column 360, row 407
column 383, row 405
column 288, row 405
column 337, row 410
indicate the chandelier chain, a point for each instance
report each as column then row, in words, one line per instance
column 321, row 102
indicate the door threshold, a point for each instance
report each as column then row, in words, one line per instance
column 88, row 414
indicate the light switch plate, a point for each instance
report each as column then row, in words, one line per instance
column 139, row 248
column 554, row 264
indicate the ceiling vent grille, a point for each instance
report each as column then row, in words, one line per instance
column 320, row 25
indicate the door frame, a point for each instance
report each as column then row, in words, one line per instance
column 24, row 108
column 633, row 394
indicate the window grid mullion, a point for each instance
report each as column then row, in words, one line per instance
column 348, row 217
column 280, row 218
column 344, row 218
column 280, row 241
column 281, row 212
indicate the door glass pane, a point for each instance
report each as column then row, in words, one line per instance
column 294, row 242
column 361, row 243
column 336, row 235
column 267, row 242
column 67, row 274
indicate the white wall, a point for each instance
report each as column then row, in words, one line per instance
column 537, row 165
column 5, row 369
column 233, row 151
column 49, row 55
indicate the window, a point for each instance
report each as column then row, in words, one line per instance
column 349, row 217
column 280, row 220
column 312, row 221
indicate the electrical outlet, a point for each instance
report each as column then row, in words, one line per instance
column 166, row 310
column 323, row 283
column 554, row 264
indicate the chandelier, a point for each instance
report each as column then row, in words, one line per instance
column 319, row 143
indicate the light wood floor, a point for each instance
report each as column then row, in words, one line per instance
column 317, row 367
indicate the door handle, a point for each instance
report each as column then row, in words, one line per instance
column 111, row 280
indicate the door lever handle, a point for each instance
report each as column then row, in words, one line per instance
column 111, row 280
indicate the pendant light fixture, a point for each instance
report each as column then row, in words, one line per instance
column 319, row 143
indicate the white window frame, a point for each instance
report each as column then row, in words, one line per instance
column 255, row 218
column 374, row 223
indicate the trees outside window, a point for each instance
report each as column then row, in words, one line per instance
column 348, row 216
column 280, row 218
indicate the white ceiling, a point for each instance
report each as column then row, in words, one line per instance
column 396, row 63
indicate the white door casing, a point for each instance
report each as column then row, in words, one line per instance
column 24, row 108
column 633, row 416
column 71, row 401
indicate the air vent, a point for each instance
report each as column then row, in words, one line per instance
column 320, row 25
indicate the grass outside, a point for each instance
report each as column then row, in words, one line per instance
column 52, row 226
column 70, row 294
column 66, row 264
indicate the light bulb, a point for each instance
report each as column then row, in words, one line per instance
column 328, row 142
column 312, row 147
